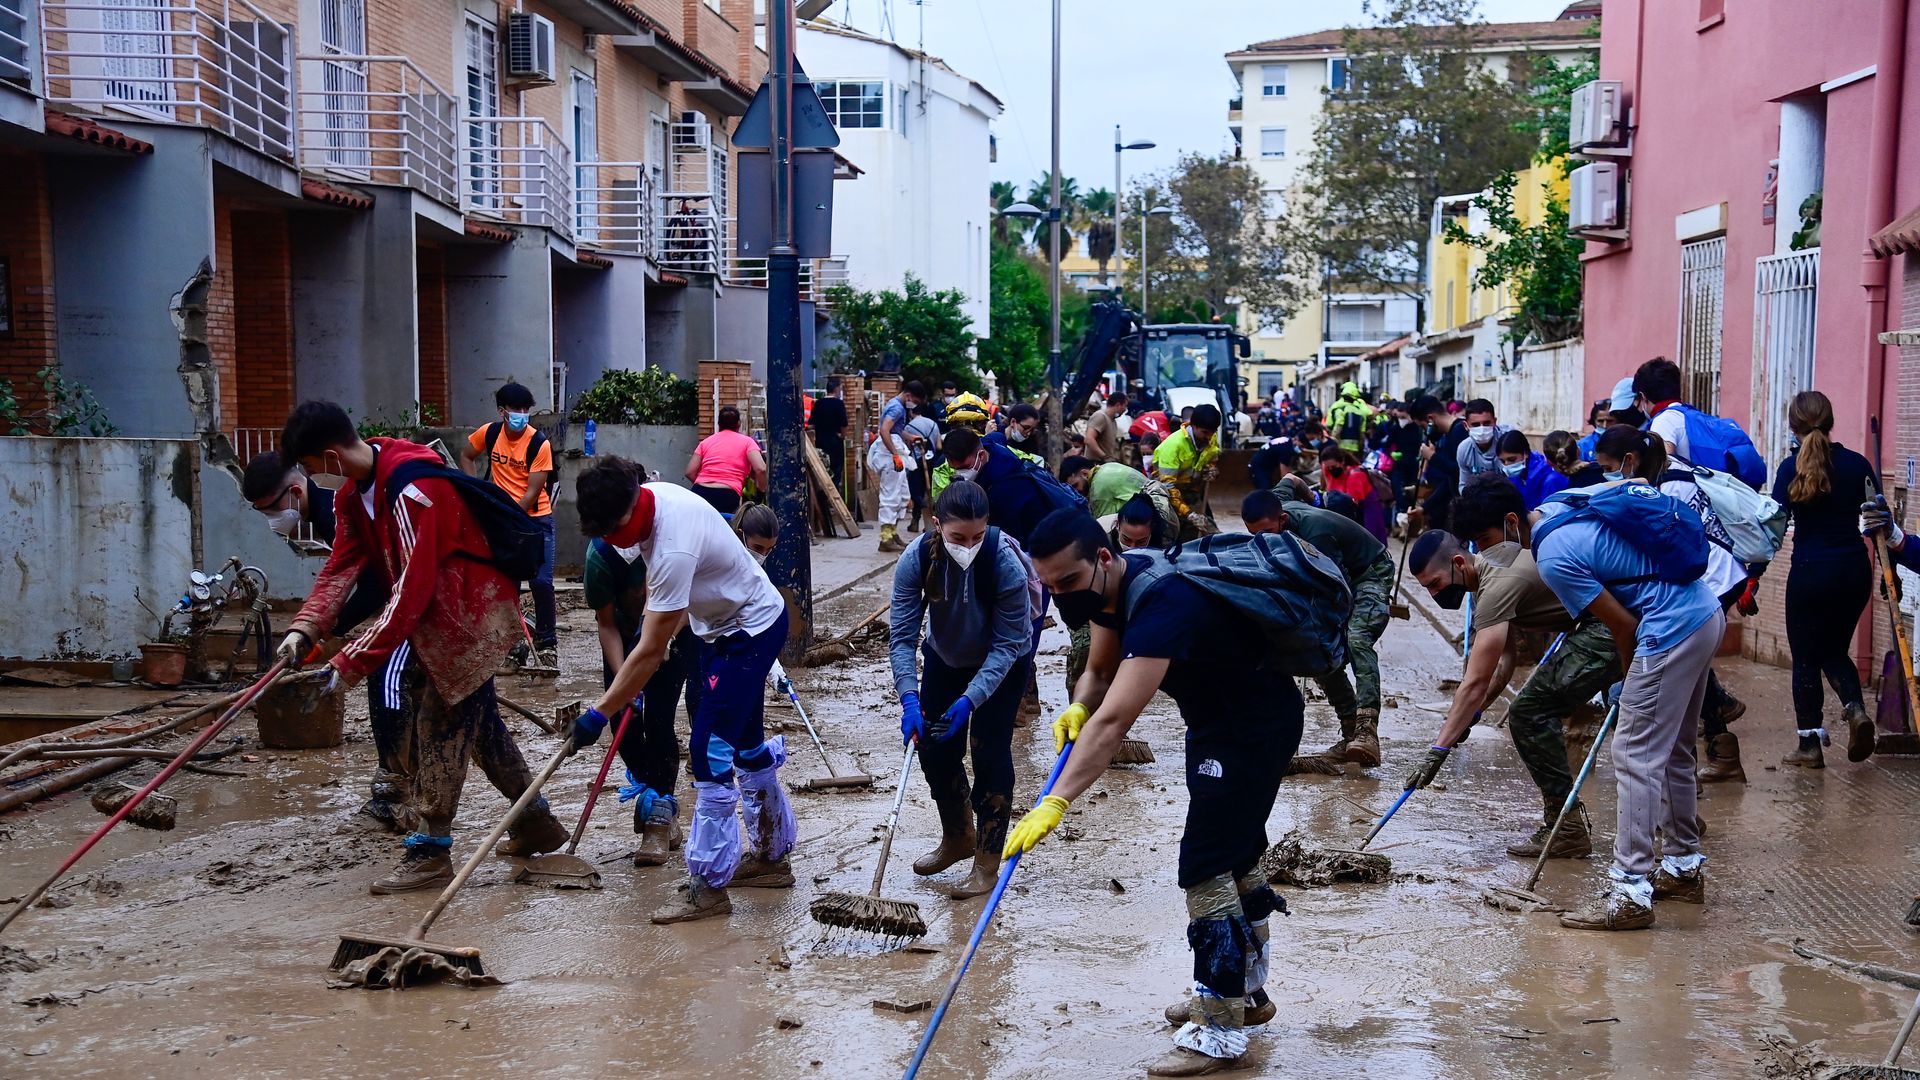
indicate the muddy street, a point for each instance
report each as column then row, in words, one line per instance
column 205, row 948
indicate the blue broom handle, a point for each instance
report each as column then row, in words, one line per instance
column 1382, row 823
column 979, row 931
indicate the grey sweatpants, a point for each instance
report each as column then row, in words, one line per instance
column 1653, row 751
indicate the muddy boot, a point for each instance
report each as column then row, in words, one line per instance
column 1574, row 841
column 890, row 539
column 1181, row 1061
column 659, row 835
column 956, row 838
column 1723, row 761
column 379, row 815
column 537, row 836
column 986, row 874
column 1808, row 756
column 755, row 872
column 1363, row 746
column 1612, row 911
column 1859, row 733
column 693, row 899
column 1687, row 887
column 1728, row 711
column 913, row 523
column 419, row 868
column 1257, row 1014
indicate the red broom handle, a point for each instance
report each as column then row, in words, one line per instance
column 606, row 766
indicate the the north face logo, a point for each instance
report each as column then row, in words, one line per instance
column 1209, row 767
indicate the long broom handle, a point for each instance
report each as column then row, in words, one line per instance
column 206, row 736
column 606, row 764
column 1890, row 583
column 480, row 853
column 1573, row 796
column 811, row 734
column 899, row 797
column 1384, row 818
column 980, row 930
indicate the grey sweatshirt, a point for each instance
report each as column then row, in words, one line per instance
column 957, row 630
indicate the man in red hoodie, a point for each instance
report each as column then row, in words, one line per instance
column 445, row 599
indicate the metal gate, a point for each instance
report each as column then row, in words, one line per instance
column 1703, row 282
column 1785, row 298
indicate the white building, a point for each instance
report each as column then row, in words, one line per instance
column 917, row 130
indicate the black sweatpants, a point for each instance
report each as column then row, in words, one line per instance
column 1825, row 597
column 1240, row 735
column 989, row 742
column 650, row 750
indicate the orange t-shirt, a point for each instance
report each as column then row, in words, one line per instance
column 511, row 467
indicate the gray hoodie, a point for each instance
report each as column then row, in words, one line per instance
column 958, row 631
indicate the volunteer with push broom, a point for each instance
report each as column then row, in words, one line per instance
column 968, row 582
column 447, row 601
column 699, row 575
column 1208, row 655
column 1369, row 569
column 1510, row 599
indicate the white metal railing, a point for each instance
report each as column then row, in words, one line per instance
column 1786, row 294
column 518, row 169
column 1703, row 281
column 222, row 64
column 614, row 206
column 251, row 442
column 689, row 234
column 16, row 42
column 827, row 274
column 392, row 124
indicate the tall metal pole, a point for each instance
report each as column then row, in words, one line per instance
column 1118, row 199
column 1144, row 319
column 790, row 565
column 1056, row 428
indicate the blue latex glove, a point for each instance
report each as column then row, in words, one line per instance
column 912, row 724
column 587, row 727
column 951, row 721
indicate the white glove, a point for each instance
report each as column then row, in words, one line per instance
column 292, row 649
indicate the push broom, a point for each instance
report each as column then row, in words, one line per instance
column 565, row 870
column 869, row 912
column 832, row 780
column 1524, row 898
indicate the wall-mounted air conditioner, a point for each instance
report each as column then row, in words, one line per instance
column 1597, row 117
column 693, row 132
column 530, row 49
column 1594, row 198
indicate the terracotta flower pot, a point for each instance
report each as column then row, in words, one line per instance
column 163, row 663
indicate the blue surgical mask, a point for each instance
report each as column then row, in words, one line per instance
column 1614, row 475
column 1516, row 468
column 517, row 421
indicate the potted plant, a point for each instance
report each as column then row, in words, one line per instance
column 163, row 661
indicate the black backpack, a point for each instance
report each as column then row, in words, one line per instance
column 518, row 543
column 1293, row 592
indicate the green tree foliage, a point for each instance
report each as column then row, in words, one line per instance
column 652, row 396
column 71, row 409
column 1421, row 116
column 927, row 330
column 1094, row 221
column 1550, row 95
column 1541, row 262
column 1220, row 248
column 1016, row 354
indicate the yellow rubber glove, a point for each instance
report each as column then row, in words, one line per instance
column 1035, row 825
column 1066, row 726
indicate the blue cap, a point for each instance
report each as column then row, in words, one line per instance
column 1622, row 395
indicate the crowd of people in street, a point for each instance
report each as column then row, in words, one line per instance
column 1608, row 559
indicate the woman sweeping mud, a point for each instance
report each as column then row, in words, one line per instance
column 979, row 621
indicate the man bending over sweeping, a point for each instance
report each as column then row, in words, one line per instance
column 698, row 574
column 399, row 513
column 1209, row 656
column 973, row 666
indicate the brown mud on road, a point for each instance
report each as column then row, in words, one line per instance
column 204, row 950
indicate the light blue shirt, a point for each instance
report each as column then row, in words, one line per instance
column 1579, row 559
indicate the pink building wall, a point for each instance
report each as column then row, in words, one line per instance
column 1708, row 124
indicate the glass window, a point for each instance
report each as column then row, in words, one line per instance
column 1337, row 74
column 1273, row 142
column 854, row 104
column 1273, row 80
column 1188, row 360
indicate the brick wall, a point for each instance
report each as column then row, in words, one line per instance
column 220, row 322
column 423, row 30
column 430, row 294
column 722, row 383
column 263, row 319
column 26, row 243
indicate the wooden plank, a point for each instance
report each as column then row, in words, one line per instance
column 823, row 483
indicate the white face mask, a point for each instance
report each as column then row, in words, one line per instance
column 1481, row 435
column 962, row 556
column 327, row 481
column 628, row 553
column 757, row 557
column 965, row 474
column 1016, row 433
column 284, row 522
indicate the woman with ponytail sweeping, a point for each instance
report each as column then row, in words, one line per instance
column 1821, row 484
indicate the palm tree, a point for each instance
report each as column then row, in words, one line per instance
column 1001, row 194
column 1095, row 222
column 1040, row 194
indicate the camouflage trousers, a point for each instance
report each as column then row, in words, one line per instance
column 1372, row 597
column 1585, row 664
column 1077, row 657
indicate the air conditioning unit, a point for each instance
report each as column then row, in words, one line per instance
column 1594, row 197
column 1596, row 117
column 530, row 49
column 693, row 132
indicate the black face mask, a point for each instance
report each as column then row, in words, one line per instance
column 1451, row 597
column 1078, row 608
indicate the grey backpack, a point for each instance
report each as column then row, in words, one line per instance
column 1296, row 596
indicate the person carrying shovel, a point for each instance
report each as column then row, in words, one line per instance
column 1511, row 600
column 447, row 601
column 973, row 663
column 699, row 575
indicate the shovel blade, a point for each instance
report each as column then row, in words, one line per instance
column 558, row 871
column 1399, row 611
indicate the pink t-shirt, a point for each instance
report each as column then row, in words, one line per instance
column 725, row 460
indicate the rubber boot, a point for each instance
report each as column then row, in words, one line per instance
column 537, row 835
column 1859, row 733
column 1363, row 747
column 986, row 874
column 957, row 838
column 890, row 538
column 913, row 523
column 1573, row 841
column 1723, row 761
column 419, row 868
column 758, row 872
column 694, row 899
column 659, row 836
column 1183, row 1062
column 1612, row 911
column 1808, row 756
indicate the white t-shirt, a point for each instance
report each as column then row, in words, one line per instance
column 1671, row 425
column 696, row 563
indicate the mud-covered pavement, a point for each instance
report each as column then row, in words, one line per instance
column 204, row 950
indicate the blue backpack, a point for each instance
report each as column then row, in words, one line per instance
column 1659, row 526
column 1720, row 444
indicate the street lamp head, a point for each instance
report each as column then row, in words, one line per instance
column 1143, row 144
column 1161, row 211
column 1023, row 210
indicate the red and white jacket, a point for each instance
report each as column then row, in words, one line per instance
column 444, row 595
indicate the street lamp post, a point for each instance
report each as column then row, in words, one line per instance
column 1056, row 427
column 1119, row 145
column 1158, row 211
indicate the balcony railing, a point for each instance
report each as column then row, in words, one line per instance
column 1378, row 334
column 16, row 38
column 689, row 234
column 250, row 442
column 221, row 64
column 517, row 169
column 379, row 120
column 615, row 208
column 828, row 273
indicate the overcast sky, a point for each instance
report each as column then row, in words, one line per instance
column 1155, row 67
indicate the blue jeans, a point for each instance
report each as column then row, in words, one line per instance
column 544, row 616
column 729, row 724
